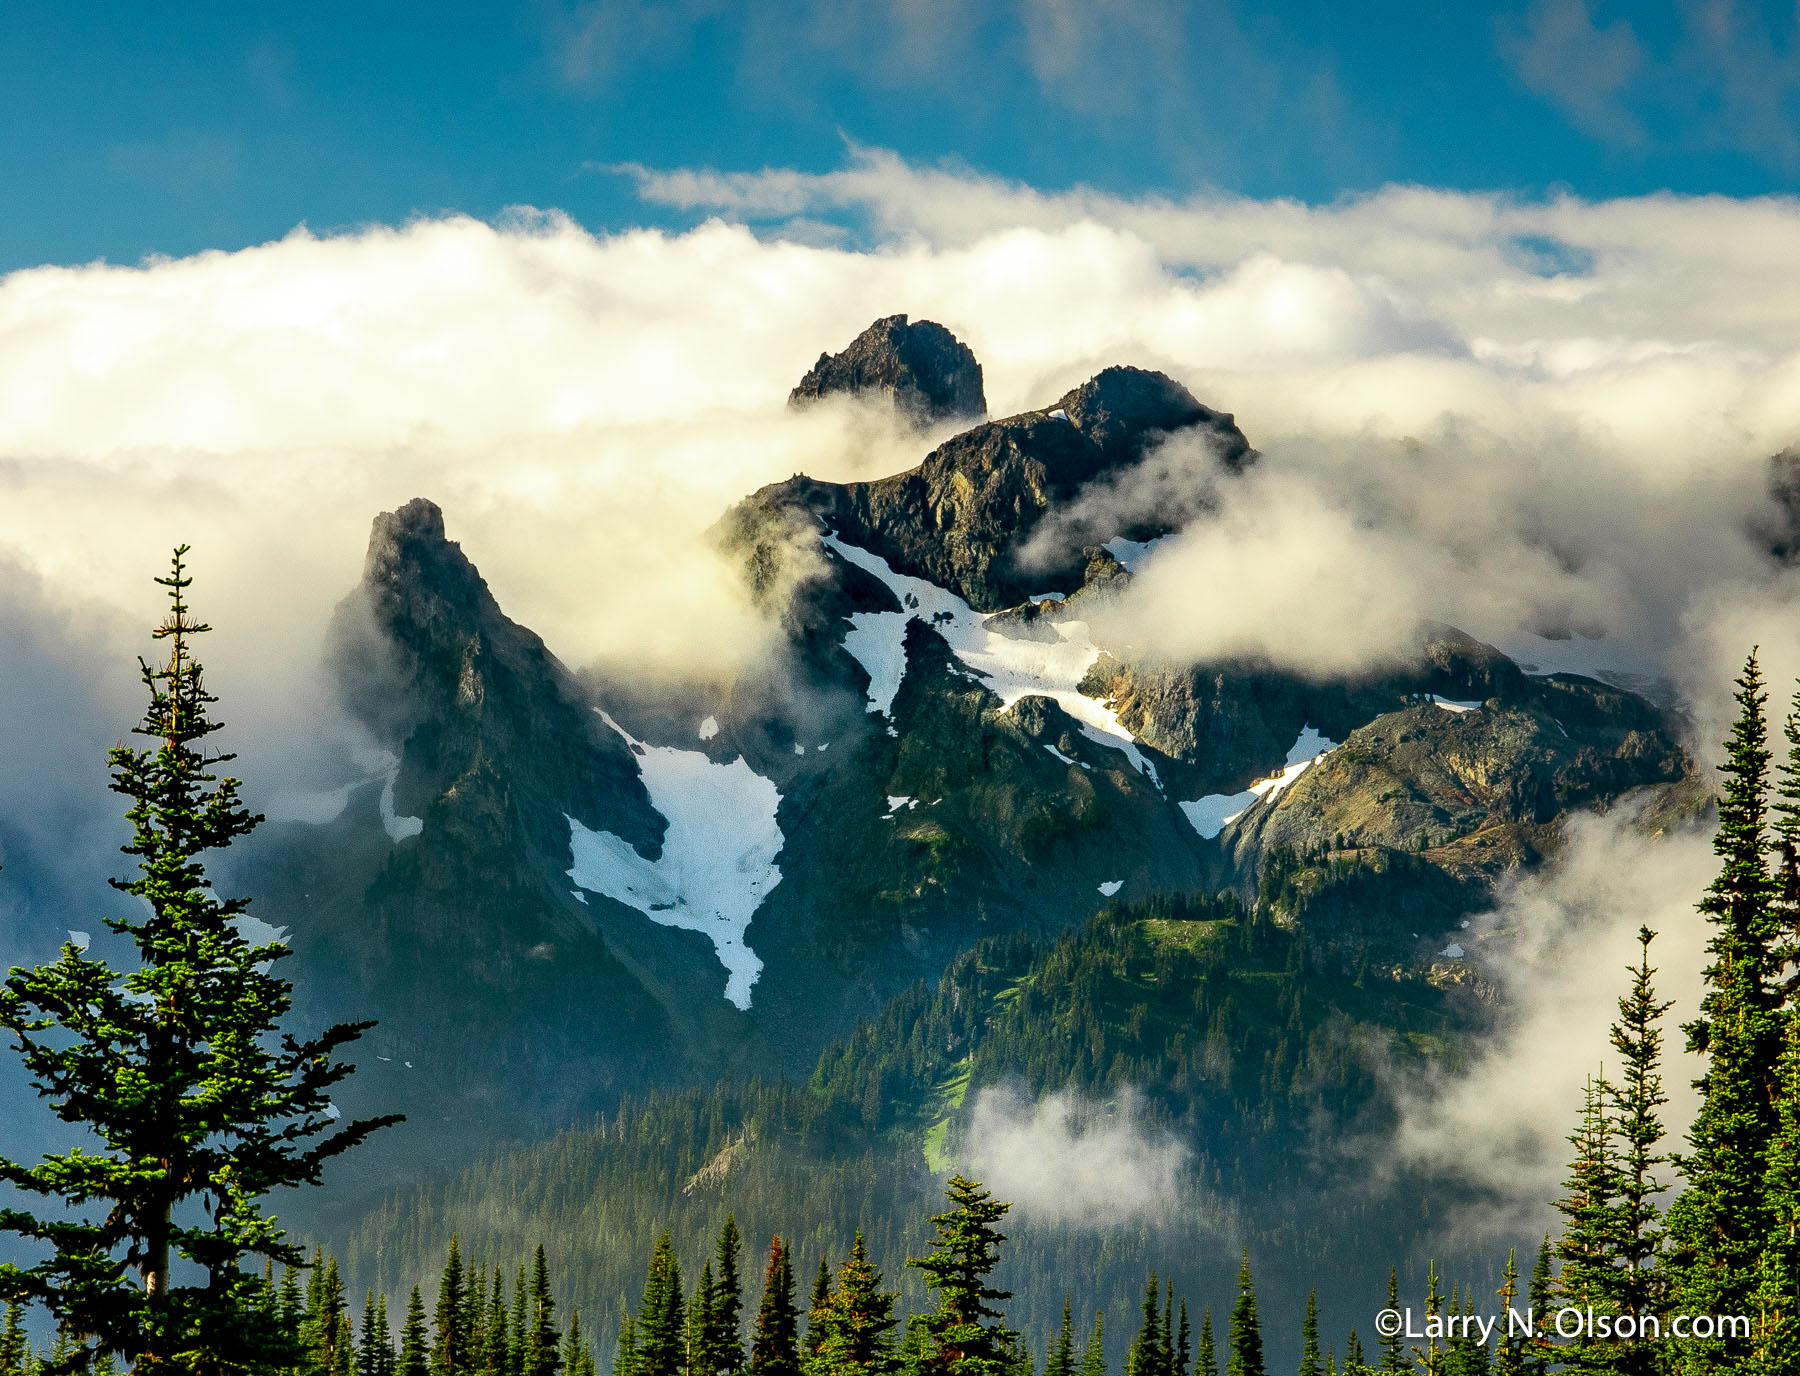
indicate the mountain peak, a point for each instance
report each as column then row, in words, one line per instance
column 929, row 373
column 1123, row 410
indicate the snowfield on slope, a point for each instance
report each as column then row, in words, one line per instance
column 718, row 857
column 1012, row 669
column 1213, row 813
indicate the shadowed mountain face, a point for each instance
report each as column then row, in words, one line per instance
column 928, row 372
column 550, row 885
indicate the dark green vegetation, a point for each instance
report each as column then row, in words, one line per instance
column 176, row 1069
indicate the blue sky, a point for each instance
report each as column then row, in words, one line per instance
column 130, row 129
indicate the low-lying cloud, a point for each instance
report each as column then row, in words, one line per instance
column 1063, row 1158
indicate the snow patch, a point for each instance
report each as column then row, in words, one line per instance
column 1066, row 759
column 1011, row 669
column 1060, row 414
column 718, row 857
column 397, row 827
column 709, row 728
column 578, row 896
column 1112, row 886
column 1450, row 705
column 1212, row 814
column 1131, row 553
column 799, row 749
column 896, row 801
column 1454, row 951
column 79, row 940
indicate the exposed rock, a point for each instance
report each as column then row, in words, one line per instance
column 931, row 375
column 1784, row 488
column 967, row 517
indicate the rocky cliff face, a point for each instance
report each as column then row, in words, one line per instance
column 970, row 516
column 929, row 373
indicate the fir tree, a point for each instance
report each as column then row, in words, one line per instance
column 515, row 1347
column 1509, row 1356
column 415, row 1351
column 374, row 1349
column 541, row 1341
column 12, row 1341
column 175, row 1066
column 775, row 1347
column 1309, row 1338
column 1144, row 1356
column 1093, row 1353
column 1354, row 1365
column 1245, row 1339
column 661, row 1317
column 700, row 1322
column 625, row 1356
column 724, row 1335
column 1719, row 1223
column 1541, row 1351
column 1184, row 1345
column 577, row 1358
column 1206, row 1360
column 1430, row 1357
column 1061, row 1361
column 497, row 1337
column 451, row 1353
column 969, row 1335
column 1588, row 1278
column 855, row 1323
column 817, row 1304
column 1393, row 1351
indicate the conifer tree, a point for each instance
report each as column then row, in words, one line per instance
column 1589, row 1278
column 1719, row 1223
column 577, row 1357
column 1184, row 1345
column 1245, row 1339
column 724, row 1329
column 515, row 1347
column 415, row 1351
column 969, row 1335
column 1093, row 1353
column 175, row 1066
column 1509, row 1355
column 12, row 1341
column 1309, row 1338
column 817, row 1304
column 451, row 1352
column 1144, row 1356
column 374, row 1348
column 1354, row 1365
column 855, row 1323
column 497, row 1337
column 1392, row 1349
column 625, row 1356
column 662, row 1316
column 1541, row 1351
column 775, row 1347
column 542, row 1343
column 1206, row 1360
column 700, row 1322
column 1061, row 1359
column 1430, row 1357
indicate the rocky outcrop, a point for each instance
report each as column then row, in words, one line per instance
column 973, row 516
column 929, row 373
column 1784, row 489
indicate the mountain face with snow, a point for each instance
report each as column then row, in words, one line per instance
column 560, row 887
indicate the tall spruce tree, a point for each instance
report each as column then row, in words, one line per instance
column 543, row 1344
column 1720, row 1222
column 775, row 1346
column 1541, row 1350
column 1144, row 1357
column 175, row 1065
column 1093, row 1352
column 661, row 1317
column 1310, row 1364
column 1061, row 1358
column 1206, row 1360
column 415, row 1344
column 969, row 1336
column 1393, row 1350
column 724, row 1328
column 1589, row 1277
column 817, row 1304
column 1245, row 1340
column 700, row 1322
column 854, row 1327
column 452, row 1351
column 1509, row 1356
column 496, row 1334
column 1184, row 1343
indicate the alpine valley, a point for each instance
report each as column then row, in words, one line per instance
column 959, row 871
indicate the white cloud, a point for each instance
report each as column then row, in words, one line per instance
column 1062, row 1158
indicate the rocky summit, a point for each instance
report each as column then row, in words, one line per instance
column 928, row 372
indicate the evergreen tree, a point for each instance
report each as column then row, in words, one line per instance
column 700, row 1322
column 1720, row 1222
column 1588, row 1278
column 625, row 1356
column 577, row 1357
column 1245, row 1339
column 497, row 1337
column 1061, row 1361
column 415, row 1352
column 1509, row 1355
column 1541, row 1351
column 1309, row 1338
column 775, row 1347
column 1093, row 1353
column 451, row 1353
column 852, row 1333
column 1144, row 1356
column 724, row 1329
column 1392, row 1349
column 374, row 1349
column 817, row 1304
column 969, row 1335
column 175, row 1065
column 662, row 1316
column 542, row 1343
column 1354, row 1365
column 12, row 1341
column 1635, row 1240
column 325, row 1310
column 515, row 1347
column 1430, row 1357
column 1206, row 1360
column 1184, row 1345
